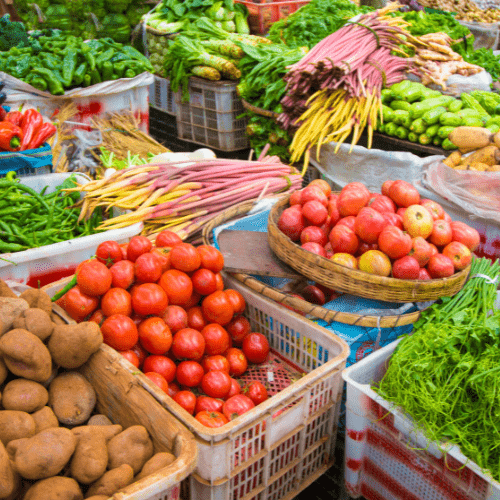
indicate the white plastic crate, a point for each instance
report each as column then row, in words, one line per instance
column 387, row 457
column 278, row 448
column 161, row 96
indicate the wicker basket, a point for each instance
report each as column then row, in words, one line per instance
column 355, row 282
column 287, row 299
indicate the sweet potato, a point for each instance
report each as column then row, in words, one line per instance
column 8, row 482
column 24, row 395
column 155, row 463
column 38, row 298
column 470, row 138
column 453, row 159
column 90, row 459
column 44, row 419
column 55, row 488
column 26, row 355
column 16, row 425
column 36, row 321
column 487, row 155
column 112, row 481
column 478, row 166
column 10, row 309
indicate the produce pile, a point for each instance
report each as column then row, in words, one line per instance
column 52, row 443
column 56, row 63
column 164, row 308
column 395, row 233
column 445, row 375
column 465, row 10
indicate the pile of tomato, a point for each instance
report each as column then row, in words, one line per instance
column 165, row 309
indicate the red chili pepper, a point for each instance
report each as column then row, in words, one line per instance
column 31, row 122
column 3, row 113
column 10, row 137
column 46, row 131
column 14, row 117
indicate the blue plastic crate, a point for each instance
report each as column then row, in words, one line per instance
column 30, row 162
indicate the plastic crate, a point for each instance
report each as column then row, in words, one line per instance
column 161, row 96
column 278, row 448
column 262, row 15
column 30, row 162
column 212, row 115
column 388, row 457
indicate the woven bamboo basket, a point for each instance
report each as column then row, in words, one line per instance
column 259, row 111
column 355, row 282
column 287, row 299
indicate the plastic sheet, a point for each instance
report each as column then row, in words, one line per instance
column 456, row 84
column 485, row 34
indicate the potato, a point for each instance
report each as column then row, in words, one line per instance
column 13, row 445
column 98, row 497
column 112, row 481
column 99, row 420
column 8, row 482
column 55, row 488
column 26, row 355
column 10, row 309
column 90, row 459
column 16, row 425
column 106, row 431
column 155, row 463
column 72, row 398
column 36, row 321
column 24, row 395
column 3, row 371
column 72, row 345
column 133, row 446
column 5, row 290
column 44, row 419
column 45, row 454
column 38, row 298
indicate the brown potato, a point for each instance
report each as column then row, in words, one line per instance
column 106, row 431
column 72, row 398
column 45, row 454
column 10, row 309
column 54, row 488
column 5, row 290
column 133, row 446
column 8, row 482
column 90, row 459
column 98, row 497
column 99, row 420
column 36, row 321
column 24, row 395
column 16, row 425
column 72, row 345
column 26, row 355
column 112, row 481
column 155, row 463
column 38, row 298
column 3, row 371
column 44, row 419
column 13, row 445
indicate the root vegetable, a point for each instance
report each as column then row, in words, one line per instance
column 112, row 481
column 3, row 371
column 16, row 425
column 471, row 138
column 44, row 419
column 8, row 482
column 488, row 155
column 24, row 395
column 10, row 309
column 37, row 299
column 36, row 321
column 55, row 488
column 5, row 290
column 105, row 431
column 99, row 420
column 157, row 462
column 90, row 459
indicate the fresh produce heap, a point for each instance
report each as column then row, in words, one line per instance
column 21, row 131
column 51, row 443
column 164, row 308
column 12, row 34
column 424, row 23
column 395, row 233
column 465, row 10
column 485, row 58
column 445, row 375
column 182, row 196
column 65, row 62
column 414, row 112
column 29, row 219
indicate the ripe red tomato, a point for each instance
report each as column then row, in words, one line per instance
column 382, row 204
column 119, row 332
column 188, row 344
column 163, row 258
column 314, row 212
column 206, row 403
column 211, row 258
column 217, row 308
column 238, row 328
column 235, row 389
column 149, row 298
column 313, row 192
column 256, row 391
column 131, row 356
column 177, row 285
column 97, row 317
column 176, row 318
column 167, row 239
column 212, row 419
column 187, row 400
column 292, row 222
column 195, row 318
column 78, row 304
column 137, row 246
column 237, row 361
column 237, row 405
column 353, row 197
column 193, row 301
column 155, row 336
column 204, row 282
column 255, row 347
column 369, row 224
column 216, row 383
column 173, row 389
column 109, row 253
column 394, row 242
column 147, row 268
column 162, row 365
column 216, row 339
column 116, row 301
column 215, row 362
column 220, row 282
column 323, row 185
column 158, row 380
column 404, row 194
column 93, row 277
column 141, row 352
column 189, row 373
column 122, row 274
column 185, row 257
column 343, row 239
column 236, row 300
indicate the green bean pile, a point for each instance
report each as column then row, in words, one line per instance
column 29, row 219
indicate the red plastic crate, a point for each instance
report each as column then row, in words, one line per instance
column 262, row 15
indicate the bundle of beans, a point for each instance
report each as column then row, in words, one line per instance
column 335, row 88
column 182, row 196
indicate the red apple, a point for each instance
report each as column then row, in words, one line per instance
column 353, row 197
column 313, row 193
column 459, row 254
column 382, row 204
column 424, row 274
column 393, row 219
column 314, row 212
column 446, row 217
column 314, row 295
column 465, row 234
column 345, row 259
column 435, row 209
column 347, row 221
column 421, row 250
column 333, row 210
column 329, row 293
column 369, row 224
column 418, row 221
column 440, row 266
column 314, row 248
column 292, row 222
column 385, row 187
column 403, row 194
column 441, row 233
column 434, row 249
column 343, row 239
column 394, row 242
column 323, row 185
column 375, row 262
column 296, row 198
column 406, row 268
column 401, row 212
column 314, row 234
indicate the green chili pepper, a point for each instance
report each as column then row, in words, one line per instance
column 105, row 56
column 95, row 76
column 135, row 54
column 79, row 74
column 107, row 71
column 54, row 85
column 69, row 65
